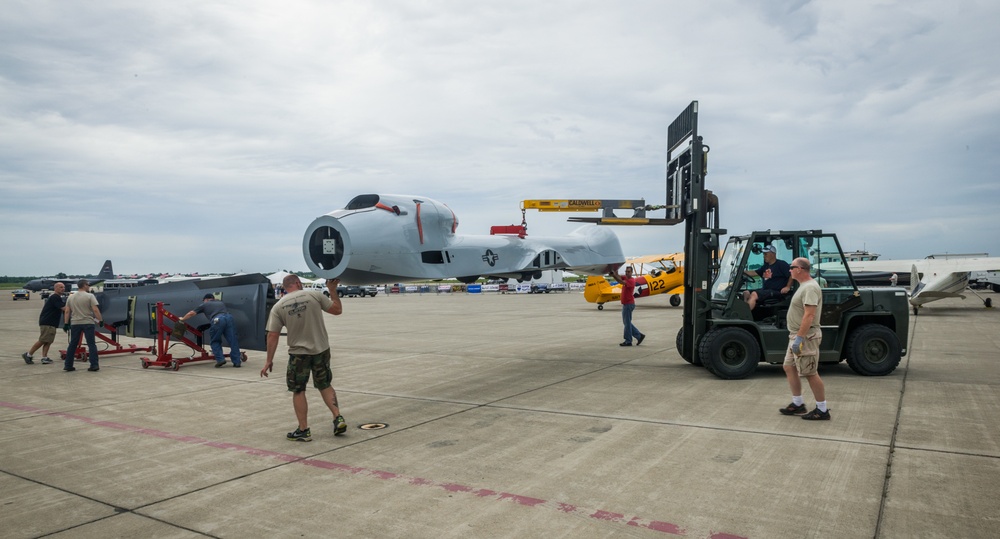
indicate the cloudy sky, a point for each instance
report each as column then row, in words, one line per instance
column 205, row 136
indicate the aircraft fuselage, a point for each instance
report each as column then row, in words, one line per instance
column 398, row 238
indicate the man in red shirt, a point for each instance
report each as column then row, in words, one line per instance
column 628, row 305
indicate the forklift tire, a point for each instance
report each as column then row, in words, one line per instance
column 872, row 350
column 680, row 344
column 731, row 353
column 680, row 348
column 675, row 300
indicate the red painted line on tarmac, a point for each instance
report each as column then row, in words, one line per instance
column 526, row 501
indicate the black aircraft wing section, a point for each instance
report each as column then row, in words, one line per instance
column 248, row 298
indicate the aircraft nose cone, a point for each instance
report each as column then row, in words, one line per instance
column 326, row 247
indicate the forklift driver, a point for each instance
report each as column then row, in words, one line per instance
column 777, row 277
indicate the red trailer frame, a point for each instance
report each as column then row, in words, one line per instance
column 163, row 335
column 112, row 340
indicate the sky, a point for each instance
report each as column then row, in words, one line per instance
column 205, row 136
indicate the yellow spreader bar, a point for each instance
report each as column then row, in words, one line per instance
column 561, row 205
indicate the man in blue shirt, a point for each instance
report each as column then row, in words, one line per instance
column 777, row 277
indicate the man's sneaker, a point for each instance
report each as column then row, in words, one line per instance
column 625, row 343
column 69, row 369
column 792, row 409
column 46, row 361
column 300, row 435
column 220, row 364
column 93, row 369
column 817, row 414
column 339, row 425
column 27, row 359
column 642, row 337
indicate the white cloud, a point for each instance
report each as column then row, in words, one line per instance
column 205, row 136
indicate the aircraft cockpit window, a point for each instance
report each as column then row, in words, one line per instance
column 361, row 202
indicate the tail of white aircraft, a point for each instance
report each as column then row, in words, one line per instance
column 946, row 284
column 915, row 282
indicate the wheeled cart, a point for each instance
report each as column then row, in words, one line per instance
column 114, row 347
column 178, row 332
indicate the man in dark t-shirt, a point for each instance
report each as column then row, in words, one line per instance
column 777, row 277
column 48, row 323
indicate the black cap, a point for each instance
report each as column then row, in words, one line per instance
column 209, row 296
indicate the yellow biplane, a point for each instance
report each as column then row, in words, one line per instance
column 655, row 274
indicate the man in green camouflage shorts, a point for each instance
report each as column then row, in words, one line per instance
column 300, row 312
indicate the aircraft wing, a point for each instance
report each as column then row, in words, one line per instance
column 926, row 265
column 652, row 259
column 132, row 310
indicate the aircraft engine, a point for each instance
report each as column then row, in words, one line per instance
column 327, row 246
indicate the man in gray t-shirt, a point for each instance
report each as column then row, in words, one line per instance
column 804, row 338
column 300, row 312
column 80, row 315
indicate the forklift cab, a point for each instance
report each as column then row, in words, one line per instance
column 746, row 253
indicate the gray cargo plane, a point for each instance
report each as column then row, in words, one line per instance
column 46, row 283
column 399, row 238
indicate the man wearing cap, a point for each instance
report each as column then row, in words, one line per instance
column 777, row 277
column 222, row 326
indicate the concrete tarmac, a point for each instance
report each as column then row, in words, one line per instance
column 507, row 416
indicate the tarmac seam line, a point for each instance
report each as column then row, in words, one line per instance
column 117, row 510
column 892, row 439
column 450, row 487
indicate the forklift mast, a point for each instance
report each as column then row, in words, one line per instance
column 688, row 200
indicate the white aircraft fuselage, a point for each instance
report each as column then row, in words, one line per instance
column 400, row 238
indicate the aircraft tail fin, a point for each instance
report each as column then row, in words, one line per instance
column 597, row 286
column 915, row 284
column 106, row 271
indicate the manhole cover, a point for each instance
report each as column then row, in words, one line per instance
column 374, row 426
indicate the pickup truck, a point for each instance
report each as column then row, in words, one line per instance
column 355, row 290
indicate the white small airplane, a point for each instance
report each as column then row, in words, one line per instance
column 399, row 238
column 935, row 277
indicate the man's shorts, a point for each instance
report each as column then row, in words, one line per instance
column 767, row 293
column 300, row 366
column 46, row 334
column 807, row 362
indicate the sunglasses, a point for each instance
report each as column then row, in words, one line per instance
column 796, row 267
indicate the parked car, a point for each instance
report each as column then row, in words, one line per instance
column 356, row 290
column 20, row 294
column 45, row 293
